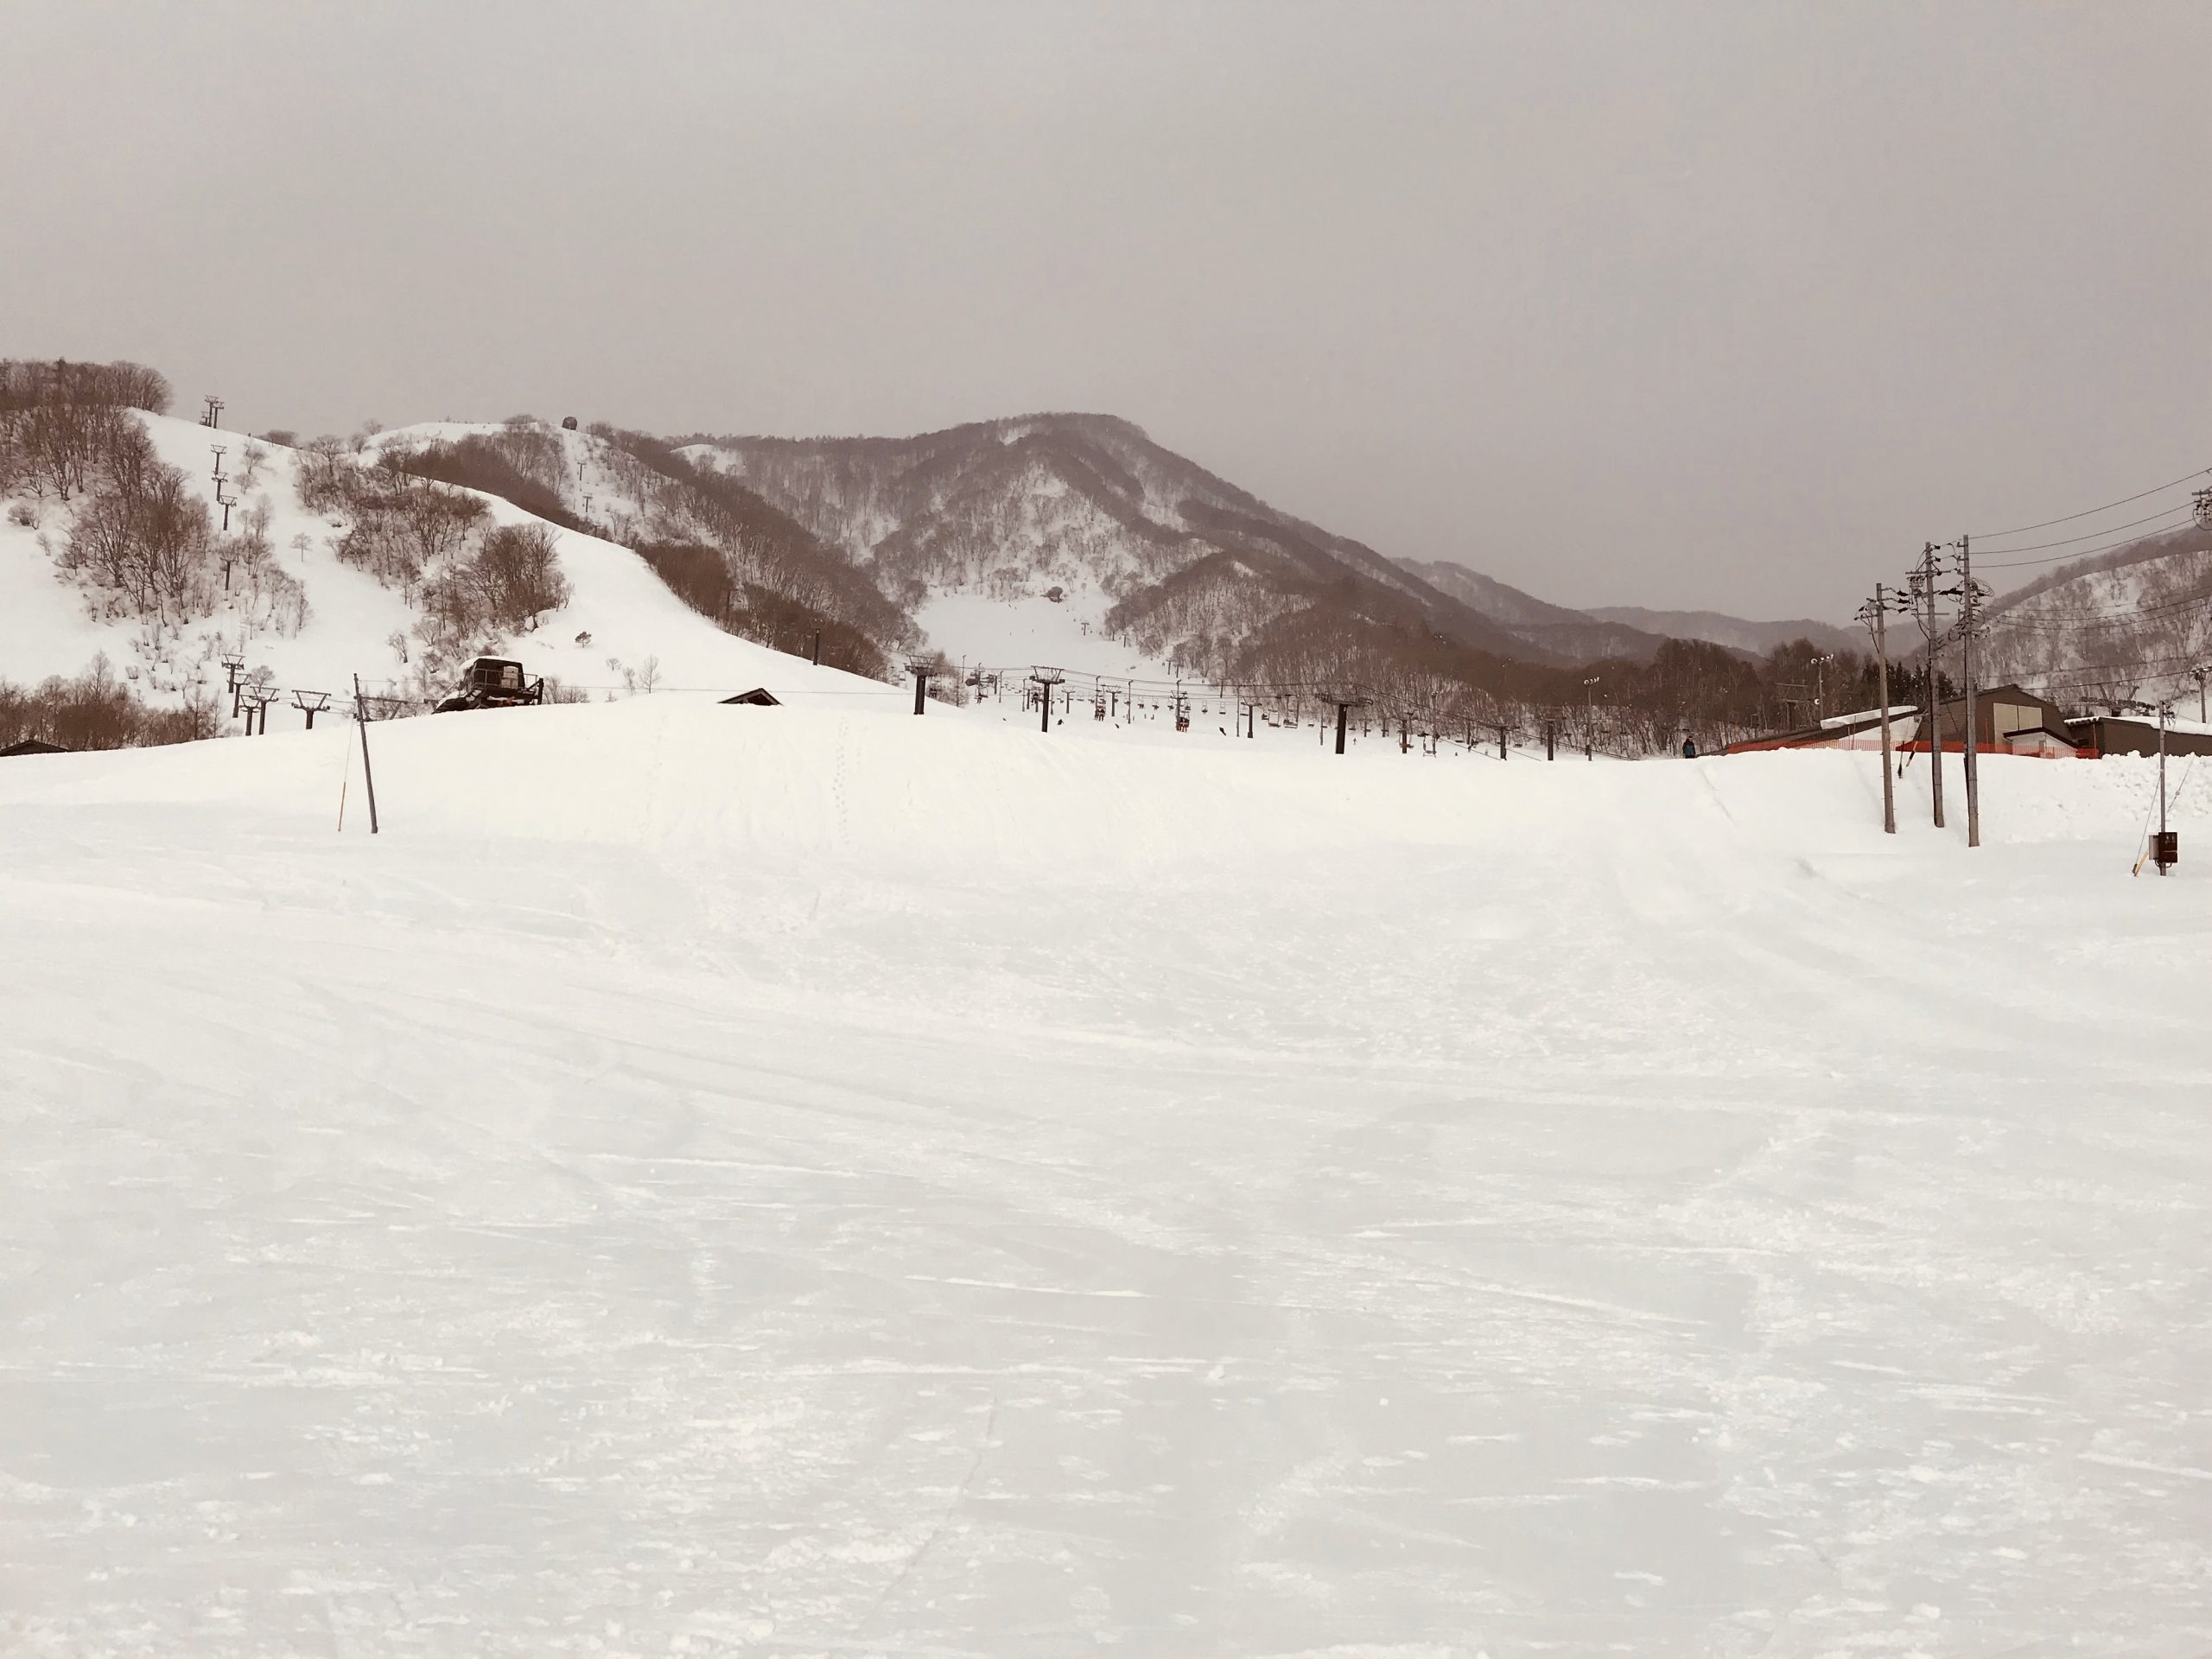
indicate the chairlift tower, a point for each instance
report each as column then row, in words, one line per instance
column 232, row 667
column 1044, row 679
column 1346, row 699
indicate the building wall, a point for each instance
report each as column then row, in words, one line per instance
column 2107, row 735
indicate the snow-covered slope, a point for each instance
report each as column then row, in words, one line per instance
column 621, row 625
column 712, row 1179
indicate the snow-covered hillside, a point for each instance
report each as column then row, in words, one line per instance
column 2123, row 626
column 621, row 629
column 1179, row 566
column 809, row 1180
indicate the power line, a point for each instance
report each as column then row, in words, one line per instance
column 2009, row 622
column 2092, row 535
column 2087, row 512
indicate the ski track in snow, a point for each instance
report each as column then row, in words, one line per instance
column 710, row 1181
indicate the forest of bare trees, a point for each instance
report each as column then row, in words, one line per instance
column 134, row 535
column 61, row 421
column 99, row 709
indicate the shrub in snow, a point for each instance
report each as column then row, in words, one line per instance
column 139, row 538
column 516, row 575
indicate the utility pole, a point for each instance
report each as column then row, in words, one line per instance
column 817, row 648
column 1044, row 679
column 1590, row 719
column 921, row 671
column 1876, row 610
column 1931, row 715
column 1821, row 686
column 1969, row 610
column 2198, row 674
column 361, row 719
column 2162, row 849
column 310, row 709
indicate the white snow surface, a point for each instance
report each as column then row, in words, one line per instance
column 707, row 1180
column 1003, row 634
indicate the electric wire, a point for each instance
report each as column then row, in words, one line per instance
column 2085, row 536
column 2088, row 512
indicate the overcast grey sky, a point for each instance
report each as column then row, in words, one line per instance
column 1650, row 302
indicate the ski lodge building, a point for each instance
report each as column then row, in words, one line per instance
column 2138, row 734
column 2008, row 720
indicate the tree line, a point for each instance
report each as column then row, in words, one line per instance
column 99, row 709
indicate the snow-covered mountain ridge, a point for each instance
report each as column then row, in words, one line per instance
column 1088, row 512
column 1140, row 542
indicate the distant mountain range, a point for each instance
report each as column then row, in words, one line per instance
column 1735, row 633
column 1619, row 630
